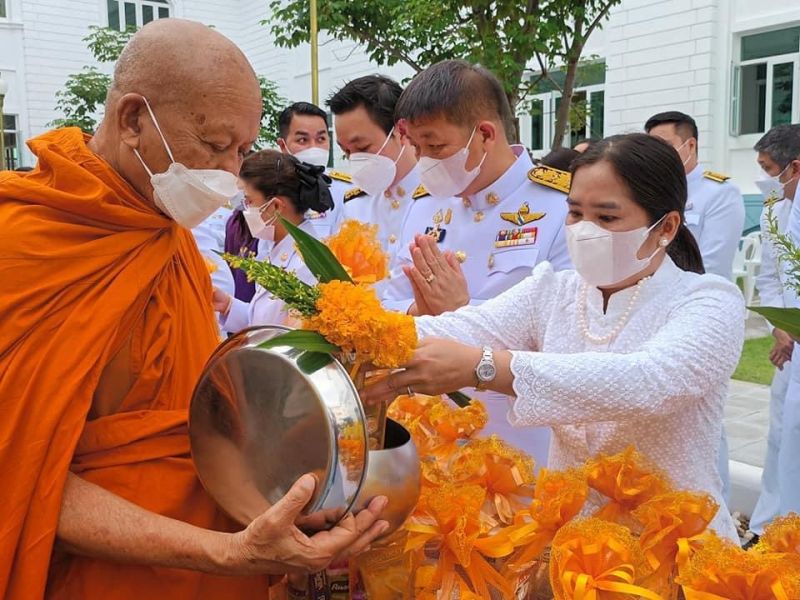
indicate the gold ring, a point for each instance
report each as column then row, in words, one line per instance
column 429, row 278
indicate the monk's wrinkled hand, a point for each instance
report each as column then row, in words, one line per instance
column 438, row 366
column 272, row 543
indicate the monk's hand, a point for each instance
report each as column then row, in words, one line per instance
column 437, row 367
column 437, row 279
column 273, row 544
column 221, row 301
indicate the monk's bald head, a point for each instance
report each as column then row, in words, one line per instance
column 179, row 60
column 203, row 93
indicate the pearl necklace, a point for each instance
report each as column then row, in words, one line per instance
column 611, row 335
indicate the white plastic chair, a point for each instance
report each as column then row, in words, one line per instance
column 745, row 251
column 752, row 264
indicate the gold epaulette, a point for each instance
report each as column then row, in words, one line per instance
column 420, row 192
column 550, row 177
column 353, row 193
column 339, row 176
column 718, row 177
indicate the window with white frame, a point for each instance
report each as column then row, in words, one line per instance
column 12, row 138
column 765, row 81
column 586, row 118
column 132, row 14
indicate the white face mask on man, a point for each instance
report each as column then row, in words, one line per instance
column 447, row 177
column 771, row 186
column 374, row 173
column 188, row 196
column 605, row 258
column 313, row 156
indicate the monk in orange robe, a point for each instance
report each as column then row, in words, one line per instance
column 106, row 325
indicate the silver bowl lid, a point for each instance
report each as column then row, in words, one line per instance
column 261, row 418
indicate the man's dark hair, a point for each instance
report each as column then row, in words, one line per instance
column 560, row 159
column 298, row 108
column 684, row 124
column 376, row 93
column 781, row 144
column 460, row 92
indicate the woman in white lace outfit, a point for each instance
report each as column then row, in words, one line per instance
column 636, row 346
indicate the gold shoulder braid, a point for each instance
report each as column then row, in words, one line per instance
column 718, row 177
column 340, row 176
column 353, row 193
column 420, row 192
column 550, row 177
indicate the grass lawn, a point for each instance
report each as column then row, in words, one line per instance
column 754, row 366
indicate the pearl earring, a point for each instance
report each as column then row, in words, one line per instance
column 664, row 242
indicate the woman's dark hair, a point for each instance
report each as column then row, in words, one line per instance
column 653, row 172
column 276, row 174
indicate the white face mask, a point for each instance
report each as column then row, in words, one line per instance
column 447, row 177
column 313, row 156
column 260, row 229
column 605, row 258
column 772, row 187
column 374, row 173
column 188, row 196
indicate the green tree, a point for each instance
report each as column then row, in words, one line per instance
column 84, row 93
column 505, row 36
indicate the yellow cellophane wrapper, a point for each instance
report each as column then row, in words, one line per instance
column 782, row 535
column 594, row 559
column 505, row 473
column 435, row 425
column 352, row 318
column 449, row 549
column 628, row 481
column 558, row 497
column 385, row 570
column 357, row 248
column 721, row 570
column 672, row 524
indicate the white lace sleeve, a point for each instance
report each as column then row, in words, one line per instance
column 514, row 319
column 695, row 351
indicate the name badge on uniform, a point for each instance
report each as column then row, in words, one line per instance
column 524, row 236
column 436, row 233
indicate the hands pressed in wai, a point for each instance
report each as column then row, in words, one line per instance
column 437, row 279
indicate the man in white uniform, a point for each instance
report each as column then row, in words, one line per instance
column 714, row 214
column 778, row 183
column 304, row 134
column 382, row 165
column 789, row 450
column 507, row 217
column 714, row 209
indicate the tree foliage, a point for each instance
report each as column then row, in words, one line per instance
column 511, row 38
column 84, row 94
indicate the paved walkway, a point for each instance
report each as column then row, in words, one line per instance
column 747, row 421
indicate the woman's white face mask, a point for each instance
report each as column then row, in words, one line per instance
column 260, row 228
column 606, row 258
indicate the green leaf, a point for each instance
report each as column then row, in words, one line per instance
column 318, row 257
column 461, row 400
column 787, row 319
column 311, row 362
column 302, row 340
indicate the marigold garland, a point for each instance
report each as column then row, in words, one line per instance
column 357, row 247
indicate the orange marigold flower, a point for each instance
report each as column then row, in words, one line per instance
column 356, row 246
column 351, row 317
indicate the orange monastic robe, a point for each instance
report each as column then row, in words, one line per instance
column 91, row 273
